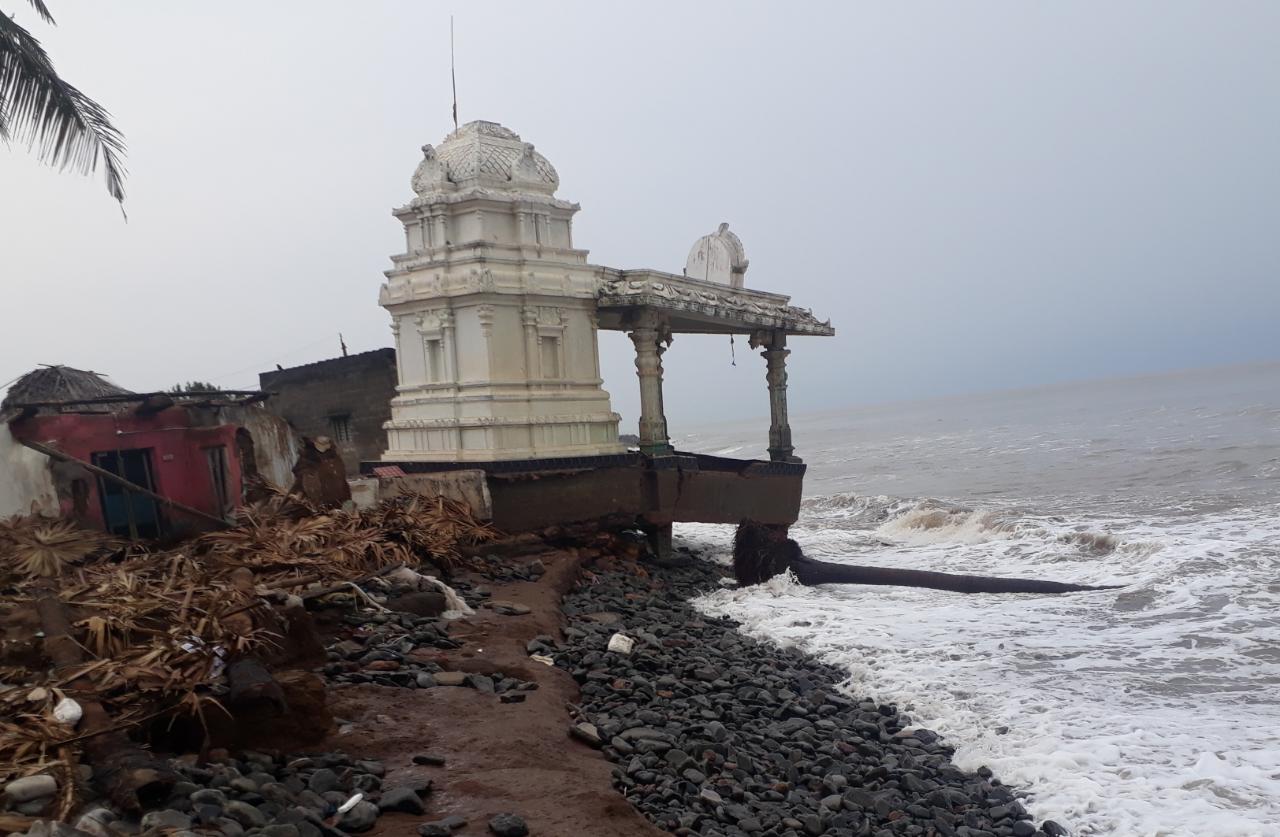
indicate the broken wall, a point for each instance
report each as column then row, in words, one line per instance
column 26, row 484
column 276, row 445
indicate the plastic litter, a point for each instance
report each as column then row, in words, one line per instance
column 350, row 803
column 68, row 712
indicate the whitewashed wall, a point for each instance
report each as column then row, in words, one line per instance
column 25, row 482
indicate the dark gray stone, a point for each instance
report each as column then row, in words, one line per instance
column 404, row 800
column 244, row 813
column 508, row 825
column 165, row 820
column 323, row 781
column 360, row 817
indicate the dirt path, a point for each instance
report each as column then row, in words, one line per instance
column 500, row 758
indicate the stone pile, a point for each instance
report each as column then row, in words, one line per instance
column 321, row 795
column 406, row 651
column 714, row 733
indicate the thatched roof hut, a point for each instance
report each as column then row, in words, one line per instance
column 61, row 385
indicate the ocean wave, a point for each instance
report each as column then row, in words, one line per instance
column 1144, row 711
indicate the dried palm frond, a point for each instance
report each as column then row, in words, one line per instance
column 37, row 546
column 157, row 626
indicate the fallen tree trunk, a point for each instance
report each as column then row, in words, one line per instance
column 762, row 551
column 128, row 775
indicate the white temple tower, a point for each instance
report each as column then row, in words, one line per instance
column 493, row 311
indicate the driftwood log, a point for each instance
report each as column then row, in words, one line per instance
column 129, row 776
column 761, row 551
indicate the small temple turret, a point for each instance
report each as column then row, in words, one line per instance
column 493, row 311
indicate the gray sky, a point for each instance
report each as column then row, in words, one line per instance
column 980, row 196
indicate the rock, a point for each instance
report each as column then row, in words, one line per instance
column 95, row 822
column 404, row 800
column 481, row 683
column 1022, row 828
column 230, row 828
column 165, row 820
column 427, row 603
column 433, row 761
column 442, row 828
column 450, row 678
column 508, row 825
column 586, row 732
column 360, row 817
column 374, row 768
column 509, row 608
column 425, row 681
column 323, row 781
column 280, row 830
column 49, row 828
column 1052, row 829
column 208, row 796
column 30, row 788
column 513, row 697
column 243, row 784
column 245, row 814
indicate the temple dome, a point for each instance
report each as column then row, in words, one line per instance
column 484, row 155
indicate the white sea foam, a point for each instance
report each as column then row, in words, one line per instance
column 1150, row 711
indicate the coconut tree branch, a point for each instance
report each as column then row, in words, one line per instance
column 65, row 127
column 43, row 11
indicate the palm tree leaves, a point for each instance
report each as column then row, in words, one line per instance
column 43, row 11
column 66, row 128
column 37, row 546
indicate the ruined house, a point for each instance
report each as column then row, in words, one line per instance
column 347, row 399
column 135, row 464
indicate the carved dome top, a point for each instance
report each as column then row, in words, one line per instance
column 484, row 155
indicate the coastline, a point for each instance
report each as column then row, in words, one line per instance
column 517, row 715
column 714, row 733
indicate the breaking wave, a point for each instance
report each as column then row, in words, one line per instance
column 1143, row 711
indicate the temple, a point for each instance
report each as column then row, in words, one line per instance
column 495, row 314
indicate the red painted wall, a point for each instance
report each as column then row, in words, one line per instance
column 178, row 462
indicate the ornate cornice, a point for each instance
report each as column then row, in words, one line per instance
column 731, row 306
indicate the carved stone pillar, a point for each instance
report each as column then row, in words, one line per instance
column 533, row 365
column 775, row 354
column 646, row 334
column 448, row 339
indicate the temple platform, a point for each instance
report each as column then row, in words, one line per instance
column 652, row 491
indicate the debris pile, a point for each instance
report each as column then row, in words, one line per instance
column 100, row 638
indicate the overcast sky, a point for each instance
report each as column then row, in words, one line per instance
column 980, row 196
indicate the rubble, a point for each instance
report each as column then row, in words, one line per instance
column 101, row 637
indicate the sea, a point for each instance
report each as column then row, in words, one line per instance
column 1152, row 710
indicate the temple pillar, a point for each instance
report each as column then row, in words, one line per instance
column 646, row 335
column 775, row 355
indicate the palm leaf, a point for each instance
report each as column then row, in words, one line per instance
column 43, row 11
column 65, row 127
